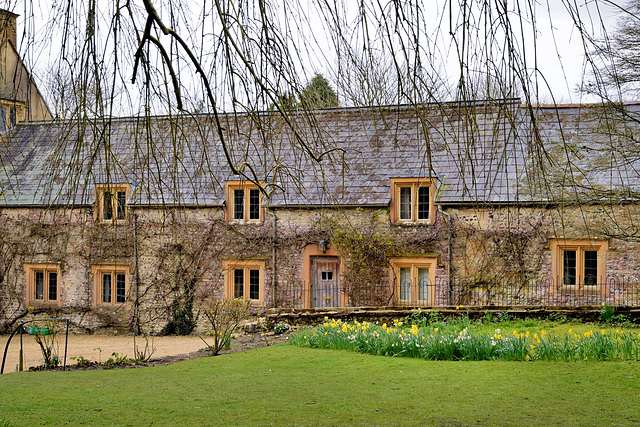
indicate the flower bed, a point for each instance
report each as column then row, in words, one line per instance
column 439, row 343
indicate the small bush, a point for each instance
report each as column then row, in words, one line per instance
column 281, row 328
column 183, row 319
column 224, row 315
column 607, row 313
column 81, row 362
column 117, row 360
column 45, row 332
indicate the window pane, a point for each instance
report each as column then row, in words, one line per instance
column 591, row 268
column 238, row 283
column 238, row 204
column 39, row 282
column 405, row 203
column 53, row 286
column 122, row 201
column 120, row 287
column 569, row 268
column 254, row 204
column 405, row 283
column 106, row 287
column 12, row 118
column 254, row 284
column 423, row 284
column 107, row 207
column 3, row 119
column 423, row 203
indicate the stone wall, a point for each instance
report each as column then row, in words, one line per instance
column 175, row 255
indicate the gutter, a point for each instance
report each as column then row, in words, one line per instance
column 449, row 252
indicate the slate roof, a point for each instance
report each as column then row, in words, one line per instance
column 486, row 153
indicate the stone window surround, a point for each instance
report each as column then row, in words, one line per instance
column 246, row 186
column 18, row 109
column 97, row 270
column 414, row 184
column 114, row 188
column 559, row 245
column 30, row 269
column 414, row 262
column 229, row 266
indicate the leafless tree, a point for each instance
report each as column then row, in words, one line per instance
column 146, row 57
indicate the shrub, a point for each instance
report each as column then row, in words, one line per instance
column 81, row 362
column 225, row 316
column 281, row 328
column 183, row 319
column 117, row 360
column 607, row 313
column 45, row 333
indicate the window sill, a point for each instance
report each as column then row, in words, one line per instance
column 43, row 304
column 245, row 222
column 581, row 289
column 412, row 223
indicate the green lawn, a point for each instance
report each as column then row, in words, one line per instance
column 287, row 385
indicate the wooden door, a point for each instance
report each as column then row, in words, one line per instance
column 325, row 286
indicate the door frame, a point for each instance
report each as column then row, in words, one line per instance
column 309, row 251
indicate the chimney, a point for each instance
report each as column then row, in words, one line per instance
column 8, row 26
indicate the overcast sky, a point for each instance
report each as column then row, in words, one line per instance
column 560, row 49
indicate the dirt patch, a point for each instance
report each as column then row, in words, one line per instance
column 99, row 348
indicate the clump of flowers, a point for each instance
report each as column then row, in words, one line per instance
column 434, row 343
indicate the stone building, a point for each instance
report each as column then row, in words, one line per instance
column 133, row 222
column 20, row 99
column 130, row 222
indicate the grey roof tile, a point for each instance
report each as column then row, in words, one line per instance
column 179, row 159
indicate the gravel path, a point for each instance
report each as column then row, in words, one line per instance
column 166, row 349
column 87, row 346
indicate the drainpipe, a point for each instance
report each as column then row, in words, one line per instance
column 136, row 309
column 447, row 218
column 274, row 267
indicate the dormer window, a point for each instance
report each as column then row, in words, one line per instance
column 244, row 202
column 9, row 116
column 111, row 202
column 412, row 200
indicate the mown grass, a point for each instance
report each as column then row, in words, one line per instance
column 288, row 385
